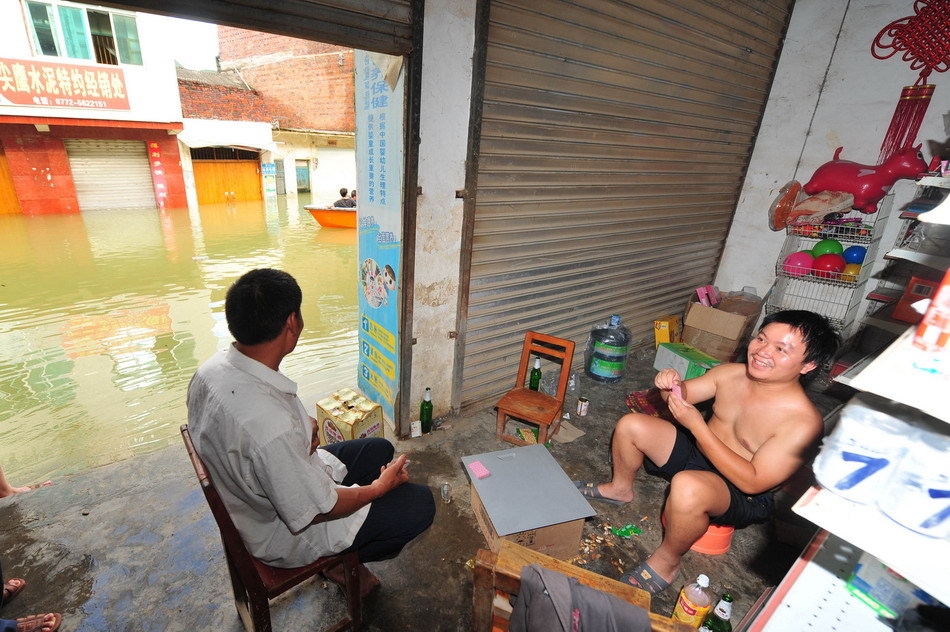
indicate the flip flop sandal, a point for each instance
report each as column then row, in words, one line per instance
column 36, row 623
column 646, row 578
column 11, row 590
column 589, row 491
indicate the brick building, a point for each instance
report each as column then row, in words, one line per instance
column 89, row 110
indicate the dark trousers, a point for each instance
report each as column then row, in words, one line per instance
column 394, row 519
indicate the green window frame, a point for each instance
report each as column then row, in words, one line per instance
column 63, row 30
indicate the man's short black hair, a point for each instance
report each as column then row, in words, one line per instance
column 343, row 192
column 821, row 340
column 258, row 304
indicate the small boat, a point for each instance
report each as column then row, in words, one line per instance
column 333, row 217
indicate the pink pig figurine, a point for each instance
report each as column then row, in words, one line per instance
column 867, row 183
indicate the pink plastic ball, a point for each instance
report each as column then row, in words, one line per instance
column 828, row 266
column 798, row 263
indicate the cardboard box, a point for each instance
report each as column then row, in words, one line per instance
column 721, row 331
column 667, row 329
column 882, row 589
column 346, row 415
column 687, row 360
column 528, row 499
column 917, row 290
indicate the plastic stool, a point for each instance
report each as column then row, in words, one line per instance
column 715, row 541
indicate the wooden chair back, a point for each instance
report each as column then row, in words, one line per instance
column 254, row 583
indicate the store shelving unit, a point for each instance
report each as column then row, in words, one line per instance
column 813, row 593
column 834, row 295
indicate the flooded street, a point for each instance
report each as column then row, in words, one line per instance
column 105, row 315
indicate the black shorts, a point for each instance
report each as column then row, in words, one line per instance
column 743, row 509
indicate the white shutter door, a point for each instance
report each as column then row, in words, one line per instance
column 110, row 173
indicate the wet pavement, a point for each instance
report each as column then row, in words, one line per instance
column 132, row 545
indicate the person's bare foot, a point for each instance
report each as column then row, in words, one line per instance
column 368, row 581
column 9, row 490
column 48, row 622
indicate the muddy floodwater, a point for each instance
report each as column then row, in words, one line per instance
column 105, row 315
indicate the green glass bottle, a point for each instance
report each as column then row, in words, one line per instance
column 425, row 411
column 534, row 380
column 718, row 619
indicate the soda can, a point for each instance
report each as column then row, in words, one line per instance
column 582, row 405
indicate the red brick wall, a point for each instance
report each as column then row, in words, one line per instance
column 40, row 168
column 223, row 103
column 313, row 89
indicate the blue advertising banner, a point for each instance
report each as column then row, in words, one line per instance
column 379, row 166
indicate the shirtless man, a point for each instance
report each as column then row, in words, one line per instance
column 723, row 471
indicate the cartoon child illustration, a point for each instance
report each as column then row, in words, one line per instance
column 389, row 277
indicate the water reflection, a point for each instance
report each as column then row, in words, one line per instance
column 105, row 315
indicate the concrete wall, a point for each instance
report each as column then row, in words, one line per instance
column 152, row 88
column 446, row 97
column 828, row 92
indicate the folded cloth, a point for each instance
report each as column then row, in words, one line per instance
column 649, row 402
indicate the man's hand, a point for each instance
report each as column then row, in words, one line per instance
column 392, row 475
column 666, row 378
column 685, row 413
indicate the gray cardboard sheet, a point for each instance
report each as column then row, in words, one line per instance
column 526, row 489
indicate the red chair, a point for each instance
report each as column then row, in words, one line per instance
column 533, row 406
column 254, row 582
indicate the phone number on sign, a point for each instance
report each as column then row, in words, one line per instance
column 82, row 103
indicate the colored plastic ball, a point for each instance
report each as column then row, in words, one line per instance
column 855, row 254
column 828, row 266
column 851, row 272
column 798, row 263
column 827, row 247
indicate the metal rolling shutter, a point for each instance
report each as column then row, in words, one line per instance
column 382, row 26
column 110, row 173
column 613, row 143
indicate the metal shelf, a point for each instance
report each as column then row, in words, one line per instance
column 936, row 262
column 920, row 559
column 813, row 595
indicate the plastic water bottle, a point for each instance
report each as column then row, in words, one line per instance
column 694, row 602
column 534, row 380
column 606, row 351
column 425, row 411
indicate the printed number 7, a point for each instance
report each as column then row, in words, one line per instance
column 871, row 465
column 940, row 516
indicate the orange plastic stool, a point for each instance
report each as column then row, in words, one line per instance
column 715, row 541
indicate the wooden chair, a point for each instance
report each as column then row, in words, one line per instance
column 533, row 406
column 497, row 578
column 254, row 582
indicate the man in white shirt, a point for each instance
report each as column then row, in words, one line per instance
column 292, row 504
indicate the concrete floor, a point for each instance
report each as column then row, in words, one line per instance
column 132, row 546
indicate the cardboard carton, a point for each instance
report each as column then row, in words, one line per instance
column 346, row 415
column 917, row 290
column 688, row 361
column 667, row 329
column 721, row 331
column 528, row 499
column 882, row 589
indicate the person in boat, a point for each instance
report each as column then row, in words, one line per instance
column 293, row 502
column 344, row 201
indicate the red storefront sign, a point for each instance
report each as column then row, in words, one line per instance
column 49, row 84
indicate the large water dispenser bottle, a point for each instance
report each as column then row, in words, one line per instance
column 606, row 351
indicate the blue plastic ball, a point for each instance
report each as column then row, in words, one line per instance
column 855, row 254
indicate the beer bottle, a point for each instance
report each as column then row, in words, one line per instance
column 425, row 412
column 718, row 619
column 534, row 380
